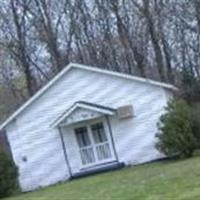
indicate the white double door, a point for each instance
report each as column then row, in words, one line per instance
column 94, row 142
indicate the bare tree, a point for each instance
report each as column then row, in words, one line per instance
column 151, row 38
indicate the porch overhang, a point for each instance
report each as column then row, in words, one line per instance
column 82, row 111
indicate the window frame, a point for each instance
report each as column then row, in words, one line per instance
column 95, row 145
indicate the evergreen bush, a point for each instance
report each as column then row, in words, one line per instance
column 175, row 136
column 8, row 175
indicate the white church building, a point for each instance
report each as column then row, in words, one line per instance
column 83, row 121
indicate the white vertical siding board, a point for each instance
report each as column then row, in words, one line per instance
column 42, row 145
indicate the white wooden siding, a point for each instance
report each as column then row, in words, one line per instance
column 32, row 137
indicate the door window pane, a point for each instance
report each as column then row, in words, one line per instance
column 98, row 132
column 87, row 155
column 82, row 137
column 103, row 151
column 86, row 151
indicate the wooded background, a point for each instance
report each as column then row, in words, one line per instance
column 158, row 39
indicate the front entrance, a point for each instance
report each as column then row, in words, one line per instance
column 94, row 142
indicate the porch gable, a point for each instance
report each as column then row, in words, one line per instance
column 82, row 111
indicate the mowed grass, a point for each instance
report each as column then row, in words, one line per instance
column 158, row 181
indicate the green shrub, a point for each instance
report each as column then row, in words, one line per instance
column 8, row 176
column 175, row 136
column 195, row 121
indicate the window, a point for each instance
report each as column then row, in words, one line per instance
column 84, row 142
column 93, row 143
column 82, row 137
column 98, row 133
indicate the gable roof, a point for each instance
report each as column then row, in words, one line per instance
column 85, row 105
column 83, row 67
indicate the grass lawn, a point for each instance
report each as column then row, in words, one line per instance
column 158, row 181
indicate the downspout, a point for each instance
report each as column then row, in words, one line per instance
column 65, row 152
column 112, row 138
